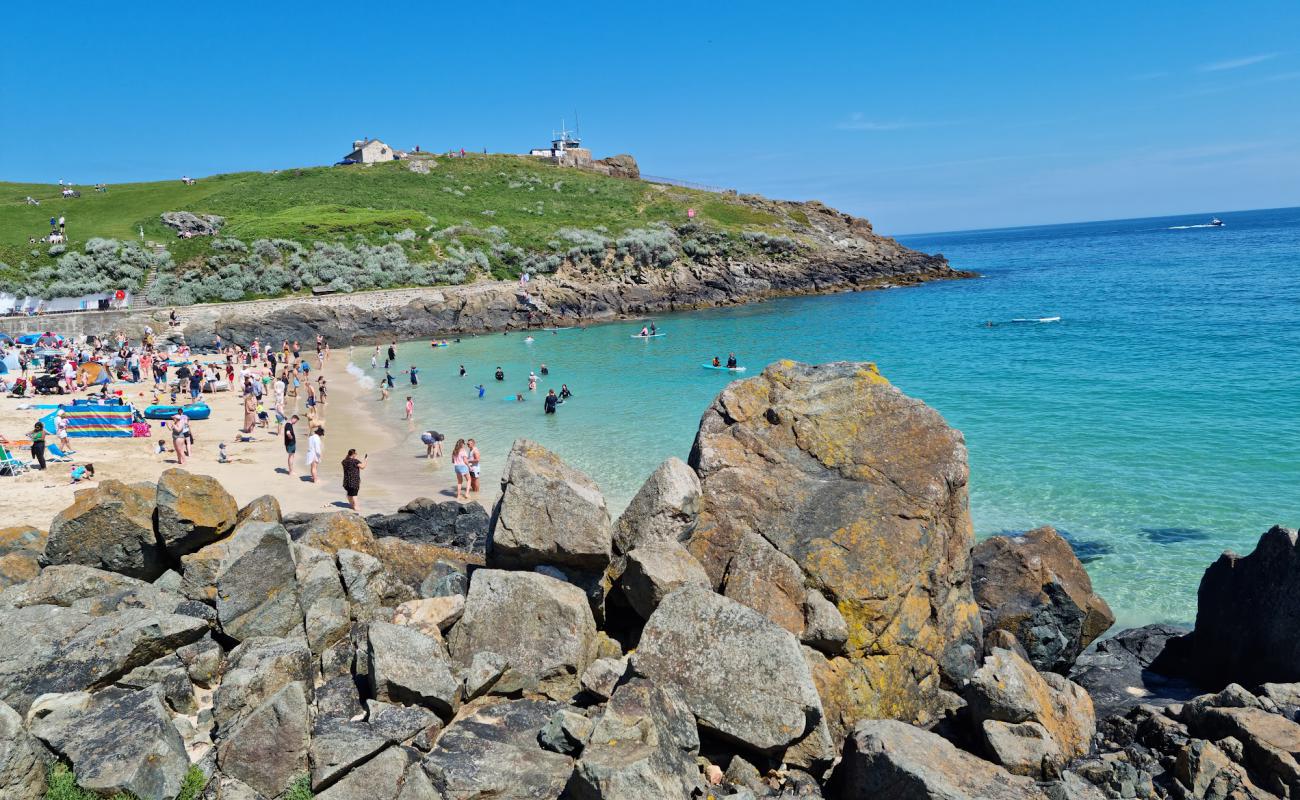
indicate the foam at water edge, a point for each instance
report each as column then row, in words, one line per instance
column 363, row 380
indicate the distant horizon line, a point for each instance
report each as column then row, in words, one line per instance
column 1004, row 228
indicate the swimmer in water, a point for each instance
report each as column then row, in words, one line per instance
column 500, row 374
column 481, row 391
column 462, row 370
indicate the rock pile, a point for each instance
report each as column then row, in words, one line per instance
column 187, row 224
column 794, row 614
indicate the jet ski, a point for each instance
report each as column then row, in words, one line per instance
column 1216, row 222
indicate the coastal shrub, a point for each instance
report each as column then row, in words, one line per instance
column 649, row 247
column 584, row 243
column 193, row 784
column 61, row 784
column 404, row 235
column 57, row 250
column 701, row 242
column 104, row 265
column 771, row 244
column 300, row 790
column 229, row 245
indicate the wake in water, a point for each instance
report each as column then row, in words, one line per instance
column 1189, row 227
column 363, row 380
column 1036, row 319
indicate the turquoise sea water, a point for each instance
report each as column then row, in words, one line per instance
column 1155, row 424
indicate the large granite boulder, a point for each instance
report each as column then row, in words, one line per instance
column 491, row 750
column 326, row 613
column 664, row 509
column 542, row 626
column 460, row 526
column 254, row 671
column 407, row 666
column 1248, row 616
column 193, row 511
column 372, row 590
column 1267, row 743
column 267, row 749
column 1120, row 672
column 22, row 762
column 119, row 742
column 46, row 649
column 66, row 585
column 20, row 549
column 829, row 478
column 253, row 578
column 1033, row 586
column 1026, row 716
column 655, row 568
column 549, row 513
column 110, row 526
column 889, row 759
column 381, row 778
column 332, row 531
column 190, row 224
column 743, row 676
column 642, row 748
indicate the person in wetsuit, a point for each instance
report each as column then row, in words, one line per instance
column 500, row 374
column 565, row 394
column 551, row 402
column 731, row 361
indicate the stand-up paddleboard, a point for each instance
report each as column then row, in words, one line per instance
column 648, row 335
column 1037, row 319
column 723, row 369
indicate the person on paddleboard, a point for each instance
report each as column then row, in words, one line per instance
column 731, row 360
column 644, row 331
column 717, row 362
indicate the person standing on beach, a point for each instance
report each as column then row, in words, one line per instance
column 460, row 466
column 352, row 467
column 61, row 431
column 290, row 440
column 474, row 466
column 38, row 445
column 250, row 410
column 314, row 447
column 178, row 439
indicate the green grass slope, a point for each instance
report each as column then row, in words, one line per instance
column 525, row 201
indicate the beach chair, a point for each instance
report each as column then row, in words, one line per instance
column 10, row 465
column 54, row 453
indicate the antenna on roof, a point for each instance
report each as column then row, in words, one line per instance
column 577, row 132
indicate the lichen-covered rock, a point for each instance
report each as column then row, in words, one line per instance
column 664, row 509
column 254, row 580
column 549, row 513
column 654, row 569
column 1008, row 691
column 267, row 749
column 109, row 526
column 47, row 649
column 22, row 766
column 827, row 477
column 491, row 750
column 1033, row 586
column 407, row 666
column 65, row 585
column 743, row 676
column 262, row 509
column 1248, row 616
column 119, row 742
column 193, row 224
column 543, row 627
column 886, row 758
column 642, row 748
column 332, row 532
column 460, row 526
column 193, row 511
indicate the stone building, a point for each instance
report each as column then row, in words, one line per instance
column 369, row 151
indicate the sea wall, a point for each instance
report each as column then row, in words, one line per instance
column 795, row 612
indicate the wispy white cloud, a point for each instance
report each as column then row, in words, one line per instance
column 859, row 122
column 1149, row 76
column 1236, row 63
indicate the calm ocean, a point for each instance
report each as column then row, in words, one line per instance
column 1155, row 424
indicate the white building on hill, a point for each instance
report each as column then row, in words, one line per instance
column 369, row 151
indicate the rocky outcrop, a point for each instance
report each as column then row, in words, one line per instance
column 664, row 509
column 193, row 511
column 187, row 224
column 491, row 750
column 1118, row 672
column 461, row 526
column 549, row 513
column 1247, row 616
column 655, row 569
column 619, row 166
column 22, row 763
column 830, row 479
column 1033, row 586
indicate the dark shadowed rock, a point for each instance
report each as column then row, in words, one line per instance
column 444, row 578
column 1248, row 616
column 654, row 569
column 549, row 513
column 742, row 676
column 664, row 509
column 54, row 649
column 642, row 748
column 267, row 749
column 888, row 759
column 408, row 667
column 1034, row 587
column 193, row 511
column 1118, row 672
column 22, row 764
column 1026, row 715
column 109, row 526
column 491, row 751
column 828, row 478
column 119, row 742
column 462, row 526
column 541, row 626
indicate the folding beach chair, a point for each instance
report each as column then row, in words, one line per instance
column 10, row 465
column 53, row 453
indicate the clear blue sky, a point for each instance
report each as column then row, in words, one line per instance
column 920, row 116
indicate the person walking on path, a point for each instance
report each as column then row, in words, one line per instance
column 460, row 466
column 290, row 441
column 314, row 446
column 352, row 467
column 38, row 445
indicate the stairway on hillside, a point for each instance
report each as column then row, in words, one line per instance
column 141, row 300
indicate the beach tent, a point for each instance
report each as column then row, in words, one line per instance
column 92, row 373
column 9, row 364
column 86, row 420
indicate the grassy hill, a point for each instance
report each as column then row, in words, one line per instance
column 468, row 217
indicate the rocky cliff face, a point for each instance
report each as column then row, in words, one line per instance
column 789, row 615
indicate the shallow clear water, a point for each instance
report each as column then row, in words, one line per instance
column 1155, row 424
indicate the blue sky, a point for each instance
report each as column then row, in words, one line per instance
column 919, row 116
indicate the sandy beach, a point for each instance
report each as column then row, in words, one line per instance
column 397, row 471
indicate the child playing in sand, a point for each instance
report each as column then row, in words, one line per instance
column 82, row 472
